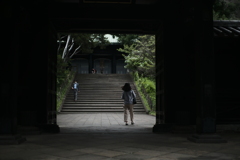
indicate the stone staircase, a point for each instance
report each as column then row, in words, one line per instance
column 100, row 93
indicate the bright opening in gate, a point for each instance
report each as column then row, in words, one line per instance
column 101, row 64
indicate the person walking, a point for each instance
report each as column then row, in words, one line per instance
column 75, row 88
column 128, row 95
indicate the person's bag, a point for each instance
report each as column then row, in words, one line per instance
column 134, row 101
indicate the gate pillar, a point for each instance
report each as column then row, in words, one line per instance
column 29, row 68
column 205, row 75
column 9, row 77
column 172, row 77
column 175, row 100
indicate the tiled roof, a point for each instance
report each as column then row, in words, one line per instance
column 226, row 28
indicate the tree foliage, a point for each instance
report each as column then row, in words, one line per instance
column 226, row 10
column 75, row 43
column 85, row 40
column 127, row 39
column 140, row 56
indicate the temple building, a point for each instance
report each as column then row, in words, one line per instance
column 106, row 61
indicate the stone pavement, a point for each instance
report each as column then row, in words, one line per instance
column 103, row 136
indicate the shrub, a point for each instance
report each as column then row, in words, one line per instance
column 147, row 89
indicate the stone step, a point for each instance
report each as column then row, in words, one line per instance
column 96, row 105
column 97, row 79
column 100, row 101
column 90, row 97
column 114, row 96
column 139, row 106
column 102, row 86
column 99, row 110
column 117, row 95
column 100, row 93
column 105, row 104
column 69, row 102
column 96, row 101
column 102, row 75
column 96, row 92
column 105, row 80
column 109, row 88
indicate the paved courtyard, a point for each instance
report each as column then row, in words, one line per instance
column 104, row 136
column 101, row 122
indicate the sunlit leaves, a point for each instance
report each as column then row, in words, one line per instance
column 140, row 56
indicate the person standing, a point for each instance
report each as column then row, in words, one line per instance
column 75, row 88
column 128, row 95
column 93, row 71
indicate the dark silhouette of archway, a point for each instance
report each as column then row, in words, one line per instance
column 185, row 82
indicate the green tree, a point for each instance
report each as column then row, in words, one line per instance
column 140, row 56
column 226, row 10
column 127, row 39
column 140, row 59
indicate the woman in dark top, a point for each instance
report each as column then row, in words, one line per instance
column 128, row 95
